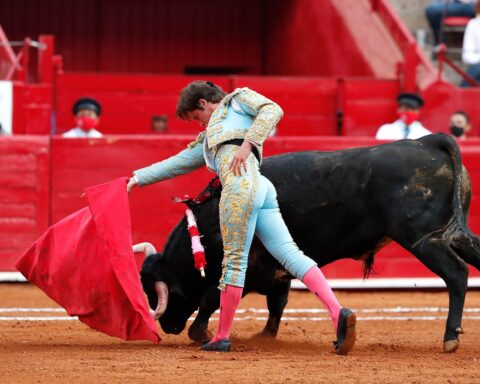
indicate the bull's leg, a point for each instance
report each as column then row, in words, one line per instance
column 443, row 261
column 209, row 303
column 468, row 248
column 276, row 301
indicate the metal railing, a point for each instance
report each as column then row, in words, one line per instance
column 443, row 59
column 19, row 66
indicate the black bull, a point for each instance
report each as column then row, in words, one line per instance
column 342, row 204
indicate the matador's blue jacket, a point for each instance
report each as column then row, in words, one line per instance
column 242, row 114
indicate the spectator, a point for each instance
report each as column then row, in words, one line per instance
column 86, row 112
column 407, row 126
column 460, row 125
column 438, row 9
column 159, row 123
column 471, row 47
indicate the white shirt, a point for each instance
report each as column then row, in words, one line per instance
column 396, row 131
column 79, row 133
column 471, row 42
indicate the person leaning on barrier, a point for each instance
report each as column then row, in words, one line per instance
column 86, row 112
column 407, row 126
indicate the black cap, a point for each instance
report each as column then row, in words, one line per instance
column 411, row 100
column 87, row 103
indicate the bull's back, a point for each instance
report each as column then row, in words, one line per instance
column 344, row 203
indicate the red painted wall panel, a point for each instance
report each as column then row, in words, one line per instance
column 367, row 104
column 75, row 164
column 24, row 194
column 308, row 37
column 309, row 104
column 32, row 108
column 154, row 214
column 156, row 36
column 442, row 99
column 128, row 101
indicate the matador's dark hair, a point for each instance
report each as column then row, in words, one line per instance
column 193, row 92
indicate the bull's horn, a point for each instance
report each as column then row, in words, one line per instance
column 162, row 293
column 146, row 248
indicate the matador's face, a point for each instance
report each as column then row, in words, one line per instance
column 202, row 115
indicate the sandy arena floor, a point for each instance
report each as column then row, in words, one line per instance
column 406, row 347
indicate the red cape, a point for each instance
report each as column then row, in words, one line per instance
column 86, row 264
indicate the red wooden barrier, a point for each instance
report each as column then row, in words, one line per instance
column 86, row 162
column 75, row 164
column 32, row 108
column 128, row 101
column 24, row 194
column 308, row 103
column 368, row 104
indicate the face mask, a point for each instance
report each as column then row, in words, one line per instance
column 86, row 123
column 456, row 131
column 409, row 117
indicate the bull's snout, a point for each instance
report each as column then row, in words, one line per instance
column 175, row 330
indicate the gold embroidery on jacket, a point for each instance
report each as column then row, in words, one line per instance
column 266, row 115
column 236, row 205
column 198, row 139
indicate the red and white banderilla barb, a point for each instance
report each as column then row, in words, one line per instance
column 197, row 248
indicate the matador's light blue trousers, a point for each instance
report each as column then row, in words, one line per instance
column 249, row 206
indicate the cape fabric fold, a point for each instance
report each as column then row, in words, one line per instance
column 85, row 263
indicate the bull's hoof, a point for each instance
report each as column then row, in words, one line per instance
column 200, row 335
column 450, row 345
column 266, row 333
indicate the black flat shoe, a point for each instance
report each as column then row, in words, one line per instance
column 222, row 345
column 345, row 332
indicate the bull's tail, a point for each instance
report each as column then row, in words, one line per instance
column 457, row 233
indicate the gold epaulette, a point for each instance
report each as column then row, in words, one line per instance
column 198, row 139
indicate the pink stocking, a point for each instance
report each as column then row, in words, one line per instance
column 317, row 284
column 229, row 300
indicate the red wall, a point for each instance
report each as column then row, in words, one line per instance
column 309, row 37
column 77, row 164
column 442, row 99
column 311, row 104
column 41, row 187
column 32, row 108
column 24, row 194
column 128, row 101
column 288, row 37
column 156, row 36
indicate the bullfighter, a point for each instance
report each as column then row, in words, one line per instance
column 236, row 126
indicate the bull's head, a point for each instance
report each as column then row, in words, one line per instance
column 165, row 296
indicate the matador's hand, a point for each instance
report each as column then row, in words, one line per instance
column 131, row 183
column 240, row 158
